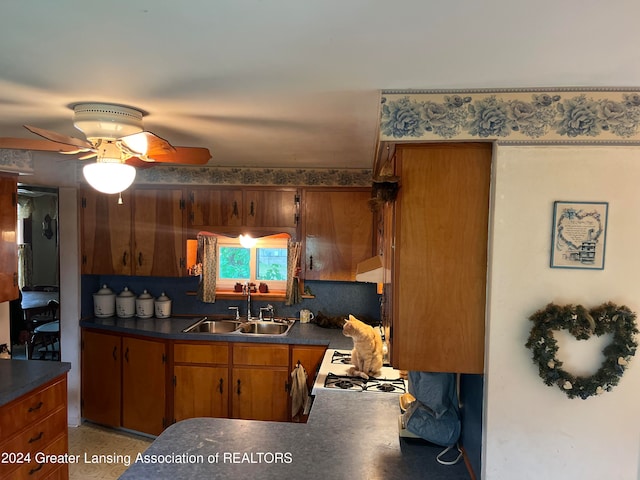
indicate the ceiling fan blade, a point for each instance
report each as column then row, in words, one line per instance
column 36, row 144
column 184, row 156
column 138, row 162
column 147, row 142
column 59, row 138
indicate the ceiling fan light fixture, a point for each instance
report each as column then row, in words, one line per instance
column 109, row 175
column 104, row 120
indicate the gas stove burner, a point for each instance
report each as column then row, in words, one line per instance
column 385, row 387
column 344, row 384
column 339, row 357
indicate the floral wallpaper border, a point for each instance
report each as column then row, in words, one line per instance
column 16, row 161
column 212, row 175
column 559, row 115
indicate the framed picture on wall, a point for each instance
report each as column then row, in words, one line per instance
column 579, row 234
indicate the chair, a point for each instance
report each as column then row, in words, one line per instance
column 46, row 335
column 48, row 315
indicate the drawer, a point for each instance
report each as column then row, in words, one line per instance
column 261, row 355
column 37, row 468
column 32, row 407
column 209, row 353
column 36, row 436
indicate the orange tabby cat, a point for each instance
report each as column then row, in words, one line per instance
column 366, row 355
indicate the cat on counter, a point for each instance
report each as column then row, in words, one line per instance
column 366, row 355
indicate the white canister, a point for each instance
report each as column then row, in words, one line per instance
column 126, row 304
column 104, row 303
column 144, row 305
column 163, row 306
column 306, row 316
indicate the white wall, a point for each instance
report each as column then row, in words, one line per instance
column 533, row 431
column 70, row 296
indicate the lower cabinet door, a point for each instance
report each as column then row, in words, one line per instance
column 101, row 380
column 143, row 385
column 260, row 394
column 200, row 391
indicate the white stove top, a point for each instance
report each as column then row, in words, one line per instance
column 341, row 369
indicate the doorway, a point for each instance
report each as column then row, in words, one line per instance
column 37, row 239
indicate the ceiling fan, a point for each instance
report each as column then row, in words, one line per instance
column 115, row 136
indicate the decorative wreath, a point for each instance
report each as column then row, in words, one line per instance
column 582, row 323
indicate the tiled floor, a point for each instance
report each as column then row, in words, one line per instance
column 104, row 453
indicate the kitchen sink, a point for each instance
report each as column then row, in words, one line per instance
column 265, row 328
column 253, row 327
column 212, row 326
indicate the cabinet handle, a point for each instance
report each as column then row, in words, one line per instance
column 126, row 355
column 251, row 210
column 140, row 259
column 115, row 349
column 34, row 470
column 235, row 209
column 220, row 387
column 238, row 387
column 124, row 259
column 37, row 407
column 36, row 438
column 311, row 262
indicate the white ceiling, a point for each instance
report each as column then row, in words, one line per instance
column 286, row 83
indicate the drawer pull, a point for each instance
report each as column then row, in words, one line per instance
column 34, row 470
column 238, row 387
column 36, row 438
column 37, row 407
column 220, row 387
column 113, row 354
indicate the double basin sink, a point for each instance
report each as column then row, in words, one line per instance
column 251, row 327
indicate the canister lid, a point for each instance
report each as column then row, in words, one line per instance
column 104, row 291
column 163, row 298
column 126, row 293
column 145, row 295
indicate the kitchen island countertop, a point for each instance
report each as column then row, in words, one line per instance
column 22, row 376
column 349, row 435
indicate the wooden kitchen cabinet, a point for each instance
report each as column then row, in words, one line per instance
column 260, row 382
column 243, row 210
column 438, row 289
column 143, row 236
column 215, row 207
column 101, row 377
column 201, row 380
column 35, row 423
column 337, row 231
column 144, row 385
column 106, row 247
column 158, row 226
column 124, row 381
column 310, row 357
column 8, row 245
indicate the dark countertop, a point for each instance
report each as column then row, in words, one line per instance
column 22, row 376
column 171, row 328
column 348, row 435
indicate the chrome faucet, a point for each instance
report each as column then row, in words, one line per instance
column 237, row 309
column 247, row 289
column 268, row 308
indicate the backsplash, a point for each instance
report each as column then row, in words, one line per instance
column 332, row 298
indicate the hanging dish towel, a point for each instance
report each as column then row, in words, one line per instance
column 299, row 389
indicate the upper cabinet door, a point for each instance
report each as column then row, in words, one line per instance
column 215, row 207
column 158, row 233
column 106, row 233
column 8, row 245
column 338, row 233
column 271, row 208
